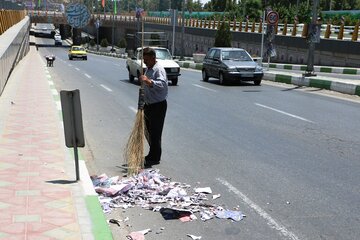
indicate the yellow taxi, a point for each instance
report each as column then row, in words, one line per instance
column 77, row 52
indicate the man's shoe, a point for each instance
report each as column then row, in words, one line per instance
column 149, row 164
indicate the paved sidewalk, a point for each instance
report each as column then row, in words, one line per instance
column 39, row 197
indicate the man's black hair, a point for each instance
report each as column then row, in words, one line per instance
column 149, row 52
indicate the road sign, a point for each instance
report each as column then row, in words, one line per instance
column 77, row 15
column 272, row 18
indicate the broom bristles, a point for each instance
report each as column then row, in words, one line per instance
column 134, row 150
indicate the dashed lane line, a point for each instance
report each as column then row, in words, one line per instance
column 133, row 109
column 209, row 89
column 106, row 88
column 282, row 112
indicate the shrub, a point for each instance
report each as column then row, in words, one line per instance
column 104, row 42
column 92, row 42
column 223, row 36
column 122, row 43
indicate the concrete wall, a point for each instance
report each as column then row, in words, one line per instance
column 14, row 45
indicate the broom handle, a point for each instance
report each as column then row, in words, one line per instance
column 141, row 100
column 142, row 44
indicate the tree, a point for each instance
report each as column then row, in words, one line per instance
column 223, row 36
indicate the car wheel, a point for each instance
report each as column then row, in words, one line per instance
column 221, row 79
column 257, row 81
column 70, row 58
column 174, row 81
column 205, row 77
column 85, row 58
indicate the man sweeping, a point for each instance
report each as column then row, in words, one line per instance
column 156, row 91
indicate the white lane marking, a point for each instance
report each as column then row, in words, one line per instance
column 133, row 109
column 54, row 92
column 87, row 75
column 58, row 105
column 270, row 221
column 209, row 89
column 77, row 69
column 106, row 88
column 285, row 113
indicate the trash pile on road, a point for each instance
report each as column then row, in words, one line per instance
column 153, row 191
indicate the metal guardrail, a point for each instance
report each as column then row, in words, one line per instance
column 9, row 18
column 14, row 45
column 328, row 31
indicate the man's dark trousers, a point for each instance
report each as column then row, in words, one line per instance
column 154, row 120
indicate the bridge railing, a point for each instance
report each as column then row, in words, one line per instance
column 327, row 31
column 9, row 18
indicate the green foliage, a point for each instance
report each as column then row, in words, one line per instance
column 223, row 36
column 104, row 42
column 92, row 42
column 122, row 43
column 288, row 13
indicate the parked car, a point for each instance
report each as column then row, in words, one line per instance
column 77, row 52
column 163, row 56
column 58, row 40
column 227, row 64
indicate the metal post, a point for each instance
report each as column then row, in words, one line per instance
column 310, row 61
column 113, row 32
column 182, row 31
column 97, row 33
column 173, row 35
column 262, row 39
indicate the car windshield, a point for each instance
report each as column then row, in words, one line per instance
column 78, row 49
column 236, row 55
column 163, row 54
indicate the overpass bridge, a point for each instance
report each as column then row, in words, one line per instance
column 339, row 45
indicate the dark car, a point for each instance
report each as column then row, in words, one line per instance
column 228, row 64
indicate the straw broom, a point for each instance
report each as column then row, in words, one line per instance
column 134, row 150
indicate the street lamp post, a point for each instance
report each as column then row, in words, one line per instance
column 310, row 61
column 182, row 30
column 173, row 11
column 113, row 33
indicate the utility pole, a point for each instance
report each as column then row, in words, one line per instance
column 310, row 61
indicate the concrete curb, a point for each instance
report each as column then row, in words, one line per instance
column 343, row 87
column 325, row 69
column 347, row 88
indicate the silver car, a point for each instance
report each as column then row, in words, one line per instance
column 227, row 64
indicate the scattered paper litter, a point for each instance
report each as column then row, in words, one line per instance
column 136, row 236
column 152, row 191
column 234, row 215
column 215, row 196
column 203, row 190
column 145, row 231
column 193, row 236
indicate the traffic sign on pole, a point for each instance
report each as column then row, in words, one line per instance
column 272, row 18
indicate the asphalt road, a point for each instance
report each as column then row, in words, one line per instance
column 288, row 158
